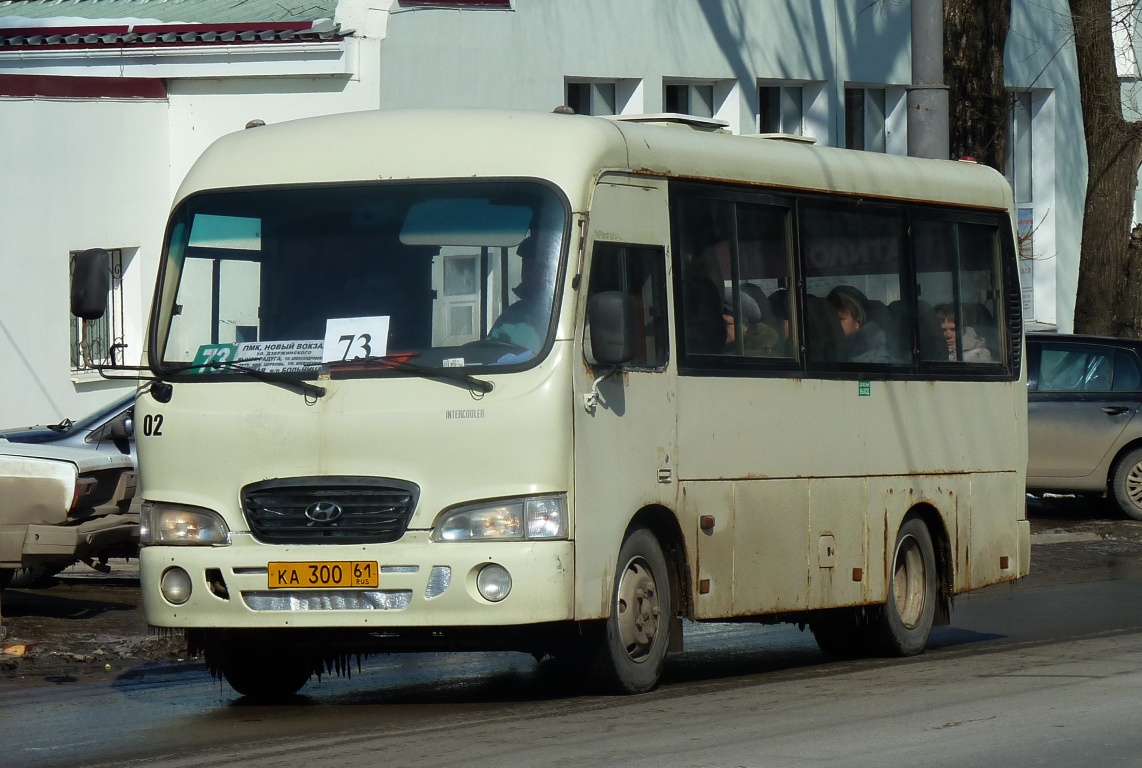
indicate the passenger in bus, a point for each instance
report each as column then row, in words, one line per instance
column 865, row 340
column 703, row 321
column 824, row 340
column 779, row 303
column 780, row 347
column 974, row 347
column 758, row 339
column 525, row 322
column 931, row 337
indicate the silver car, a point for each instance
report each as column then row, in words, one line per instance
column 65, row 494
column 1084, row 431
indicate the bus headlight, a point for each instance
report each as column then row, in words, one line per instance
column 537, row 517
column 175, row 524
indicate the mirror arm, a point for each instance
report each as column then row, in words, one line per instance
column 592, row 399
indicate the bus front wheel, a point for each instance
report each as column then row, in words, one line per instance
column 629, row 655
column 261, row 671
column 907, row 619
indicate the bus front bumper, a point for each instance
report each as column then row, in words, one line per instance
column 421, row 584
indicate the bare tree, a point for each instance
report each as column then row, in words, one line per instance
column 975, row 33
column 1109, row 300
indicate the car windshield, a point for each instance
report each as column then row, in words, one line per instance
column 303, row 280
column 95, row 419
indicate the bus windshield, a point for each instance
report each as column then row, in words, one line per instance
column 303, row 280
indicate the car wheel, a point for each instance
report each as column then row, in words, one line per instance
column 1126, row 483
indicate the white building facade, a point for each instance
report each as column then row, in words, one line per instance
column 105, row 105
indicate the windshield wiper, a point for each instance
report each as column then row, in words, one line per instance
column 399, row 363
column 286, row 380
column 63, row 426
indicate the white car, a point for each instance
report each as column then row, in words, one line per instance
column 60, row 504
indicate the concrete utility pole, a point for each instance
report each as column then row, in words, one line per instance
column 928, row 96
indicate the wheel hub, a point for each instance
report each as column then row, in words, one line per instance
column 638, row 609
column 908, row 580
column 1134, row 485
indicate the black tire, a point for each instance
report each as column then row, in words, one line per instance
column 629, row 652
column 1126, row 483
column 843, row 634
column 261, row 669
column 905, row 622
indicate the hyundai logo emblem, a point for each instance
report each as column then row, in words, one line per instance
column 323, row 511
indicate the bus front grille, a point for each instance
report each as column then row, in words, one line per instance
column 329, row 510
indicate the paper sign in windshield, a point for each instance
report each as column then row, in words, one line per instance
column 281, row 356
column 290, row 356
column 349, row 338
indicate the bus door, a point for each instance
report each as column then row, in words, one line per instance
column 625, row 441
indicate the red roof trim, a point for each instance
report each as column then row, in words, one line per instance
column 51, row 86
column 163, row 35
column 461, row 3
column 282, row 26
column 121, row 29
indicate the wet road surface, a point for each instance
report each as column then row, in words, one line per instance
column 1021, row 667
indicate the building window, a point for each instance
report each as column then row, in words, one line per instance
column 695, row 99
column 1019, row 155
column 95, row 342
column 597, row 97
column 781, row 109
column 864, row 119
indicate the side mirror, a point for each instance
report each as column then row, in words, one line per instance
column 611, row 315
column 122, row 428
column 90, row 283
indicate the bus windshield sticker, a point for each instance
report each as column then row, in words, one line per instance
column 281, row 356
column 347, row 338
column 289, row 356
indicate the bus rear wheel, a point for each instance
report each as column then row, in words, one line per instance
column 842, row 634
column 906, row 621
column 629, row 655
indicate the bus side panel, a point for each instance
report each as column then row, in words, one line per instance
column 714, row 572
column 838, row 533
column 625, row 447
column 896, row 497
column 771, row 523
column 997, row 534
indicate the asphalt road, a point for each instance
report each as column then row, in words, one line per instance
column 1044, row 672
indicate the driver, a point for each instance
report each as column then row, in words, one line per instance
column 525, row 322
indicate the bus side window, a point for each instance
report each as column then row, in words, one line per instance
column 957, row 271
column 640, row 272
column 853, row 268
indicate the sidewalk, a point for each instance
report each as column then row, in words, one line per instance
column 81, row 624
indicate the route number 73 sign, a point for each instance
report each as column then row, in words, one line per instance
column 347, row 338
